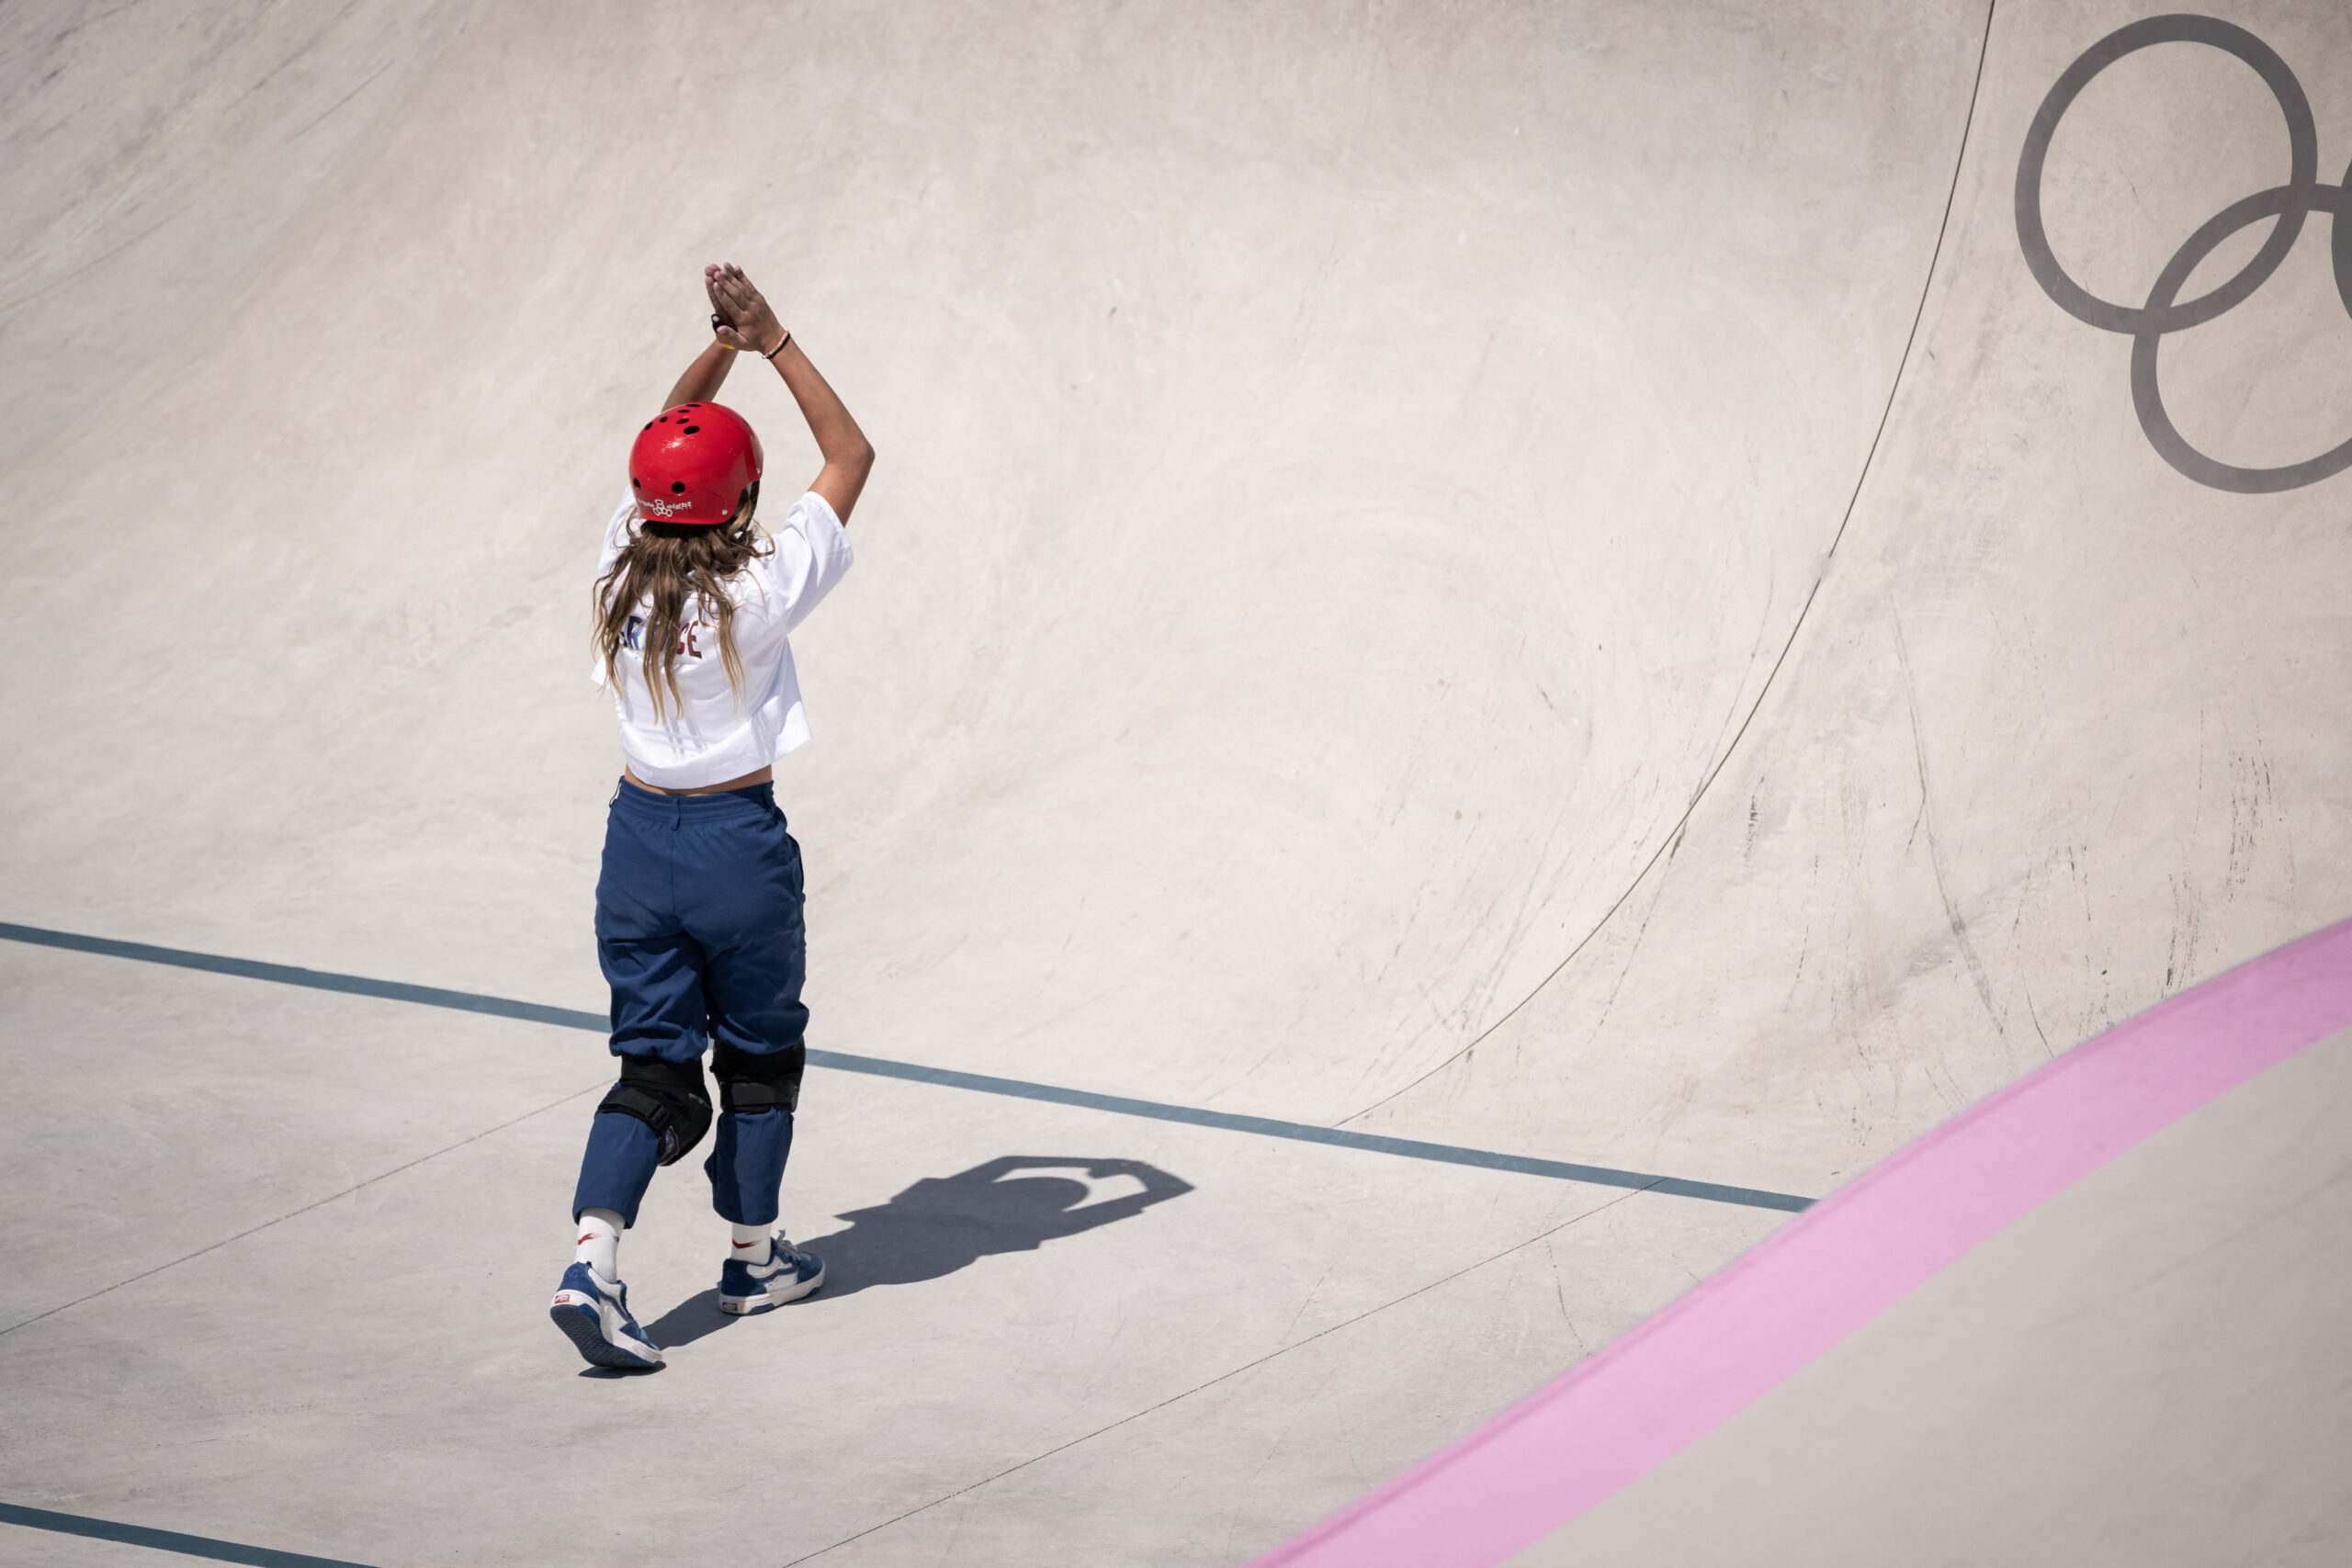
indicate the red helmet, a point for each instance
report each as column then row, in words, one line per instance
column 698, row 463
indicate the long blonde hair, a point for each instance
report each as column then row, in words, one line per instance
column 663, row 568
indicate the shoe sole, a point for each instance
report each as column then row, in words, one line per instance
column 584, row 1324
column 750, row 1306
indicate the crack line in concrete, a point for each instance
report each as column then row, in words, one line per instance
column 1886, row 415
column 1221, row 1377
column 293, row 1213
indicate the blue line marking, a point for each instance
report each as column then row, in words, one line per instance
column 164, row 1541
column 945, row 1077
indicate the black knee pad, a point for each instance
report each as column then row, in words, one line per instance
column 668, row 1097
column 768, row 1080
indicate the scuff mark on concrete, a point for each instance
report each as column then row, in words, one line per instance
column 1935, row 847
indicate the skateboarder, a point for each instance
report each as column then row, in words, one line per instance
column 698, row 906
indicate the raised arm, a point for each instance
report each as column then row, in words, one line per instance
column 748, row 324
column 702, row 377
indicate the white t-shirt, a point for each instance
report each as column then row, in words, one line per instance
column 716, row 733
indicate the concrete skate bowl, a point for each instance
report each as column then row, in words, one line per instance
column 1492, row 647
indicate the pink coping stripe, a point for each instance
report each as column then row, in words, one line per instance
column 1616, row 1414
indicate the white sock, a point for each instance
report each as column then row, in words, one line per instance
column 750, row 1244
column 600, row 1242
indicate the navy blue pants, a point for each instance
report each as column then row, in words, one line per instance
column 699, row 931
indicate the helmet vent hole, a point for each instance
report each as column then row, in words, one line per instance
column 637, row 483
column 693, row 430
column 678, row 487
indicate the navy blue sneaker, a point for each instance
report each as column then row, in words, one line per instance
column 786, row 1275
column 592, row 1311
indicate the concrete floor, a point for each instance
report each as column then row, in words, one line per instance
column 1536, row 578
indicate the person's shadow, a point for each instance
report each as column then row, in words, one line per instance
column 942, row 1224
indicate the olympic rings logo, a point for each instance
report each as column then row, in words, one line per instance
column 2164, row 311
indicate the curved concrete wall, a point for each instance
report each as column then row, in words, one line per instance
column 1536, row 578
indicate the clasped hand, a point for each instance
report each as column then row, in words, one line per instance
column 742, row 318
